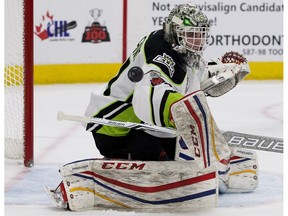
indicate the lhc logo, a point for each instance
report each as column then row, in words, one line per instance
column 50, row 28
column 96, row 33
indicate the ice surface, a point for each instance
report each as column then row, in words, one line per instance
column 254, row 107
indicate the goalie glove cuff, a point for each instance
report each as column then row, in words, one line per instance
column 222, row 88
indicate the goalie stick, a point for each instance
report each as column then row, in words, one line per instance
column 242, row 140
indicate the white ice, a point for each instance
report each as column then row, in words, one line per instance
column 254, row 107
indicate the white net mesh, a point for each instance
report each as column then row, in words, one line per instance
column 13, row 79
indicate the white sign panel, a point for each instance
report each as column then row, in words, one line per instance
column 74, row 31
column 253, row 28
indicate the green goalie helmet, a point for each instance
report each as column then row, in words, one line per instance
column 187, row 29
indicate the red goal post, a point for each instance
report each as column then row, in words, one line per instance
column 18, row 81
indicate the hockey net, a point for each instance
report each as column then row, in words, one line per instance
column 18, row 81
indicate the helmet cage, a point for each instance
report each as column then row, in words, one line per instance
column 194, row 39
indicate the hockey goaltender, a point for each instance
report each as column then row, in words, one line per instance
column 145, row 170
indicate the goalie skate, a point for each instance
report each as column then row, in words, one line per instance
column 56, row 197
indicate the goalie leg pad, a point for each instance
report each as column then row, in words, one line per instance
column 243, row 172
column 139, row 185
column 200, row 139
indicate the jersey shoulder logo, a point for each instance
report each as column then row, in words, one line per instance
column 167, row 61
column 156, row 79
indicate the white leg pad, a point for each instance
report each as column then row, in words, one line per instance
column 199, row 137
column 139, row 185
column 200, row 140
column 243, row 172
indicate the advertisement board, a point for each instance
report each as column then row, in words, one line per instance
column 93, row 37
column 253, row 28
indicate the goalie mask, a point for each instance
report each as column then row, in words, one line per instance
column 187, row 29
